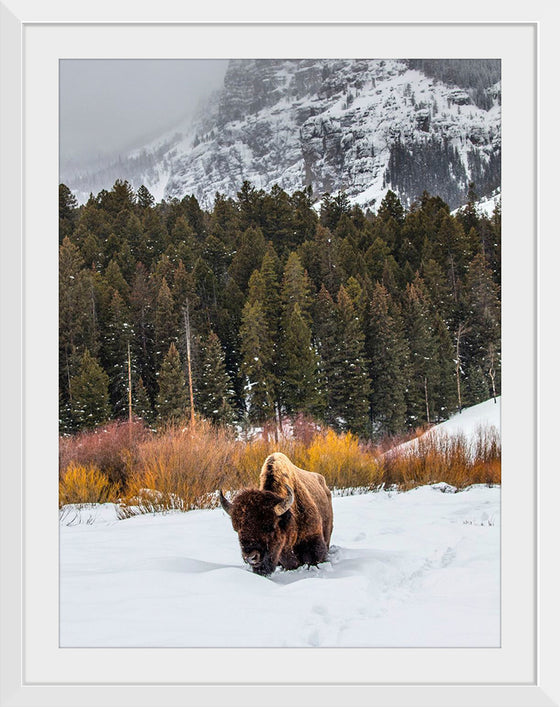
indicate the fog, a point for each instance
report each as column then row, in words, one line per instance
column 108, row 106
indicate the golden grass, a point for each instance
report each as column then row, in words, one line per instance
column 451, row 459
column 182, row 466
column 342, row 460
column 84, row 484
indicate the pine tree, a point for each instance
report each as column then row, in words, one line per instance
column 477, row 389
column 391, row 208
column 163, row 269
column 305, row 218
column 453, row 252
column 225, row 220
column 297, row 360
column 249, row 202
column 118, row 336
column 91, row 250
column 326, row 335
column 375, row 257
column 483, row 310
column 468, row 214
column 172, row 404
column 256, row 364
column 249, row 257
column 67, row 206
column 194, row 215
column 214, row 392
column 350, row 380
column 388, row 356
column 419, row 328
column 141, row 406
column 144, row 199
column 166, row 321
column 142, row 305
column 319, row 258
column 156, row 237
column 296, row 287
column 333, row 208
column 114, row 278
column 78, row 314
column 444, row 390
column 277, row 217
column 184, row 239
column 299, row 365
column 89, row 394
column 137, row 239
column 270, row 273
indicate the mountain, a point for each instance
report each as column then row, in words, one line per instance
column 361, row 126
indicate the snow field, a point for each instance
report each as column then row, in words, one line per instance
column 420, row 568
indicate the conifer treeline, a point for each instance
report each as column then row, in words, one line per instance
column 372, row 323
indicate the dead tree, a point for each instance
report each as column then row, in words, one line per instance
column 462, row 329
column 189, row 370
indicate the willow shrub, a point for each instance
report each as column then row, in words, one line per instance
column 181, row 467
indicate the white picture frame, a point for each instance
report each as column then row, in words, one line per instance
column 34, row 671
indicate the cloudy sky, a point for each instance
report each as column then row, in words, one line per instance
column 111, row 105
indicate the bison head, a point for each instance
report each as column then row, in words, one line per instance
column 264, row 523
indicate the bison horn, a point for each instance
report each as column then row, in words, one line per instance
column 226, row 505
column 283, row 506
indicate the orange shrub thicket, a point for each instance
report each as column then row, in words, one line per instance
column 181, row 467
column 448, row 458
column 110, row 448
column 84, row 484
column 342, row 460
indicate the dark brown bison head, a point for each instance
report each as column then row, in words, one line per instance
column 264, row 524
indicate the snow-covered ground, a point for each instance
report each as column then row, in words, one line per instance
column 469, row 424
column 420, row 568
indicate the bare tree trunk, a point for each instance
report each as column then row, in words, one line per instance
column 492, row 372
column 278, row 426
column 461, row 331
column 189, row 372
column 458, row 367
column 426, row 397
column 129, row 396
column 453, row 280
column 69, row 379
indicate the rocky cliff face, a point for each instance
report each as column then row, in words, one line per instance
column 362, row 126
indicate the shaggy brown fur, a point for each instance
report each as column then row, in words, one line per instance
column 271, row 535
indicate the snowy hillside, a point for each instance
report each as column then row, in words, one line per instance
column 470, row 420
column 362, row 126
column 469, row 423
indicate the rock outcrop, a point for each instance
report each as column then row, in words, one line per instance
column 362, row 126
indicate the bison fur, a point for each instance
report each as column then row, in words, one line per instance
column 287, row 521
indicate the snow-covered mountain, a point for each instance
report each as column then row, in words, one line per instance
column 362, row 126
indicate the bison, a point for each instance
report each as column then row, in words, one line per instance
column 287, row 521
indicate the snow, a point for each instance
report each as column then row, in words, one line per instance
column 470, row 420
column 414, row 569
column 420, row 568
column 231, row 151
column 469, row 423
column 487, row 205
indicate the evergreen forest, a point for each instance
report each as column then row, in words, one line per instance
column 373, row 323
